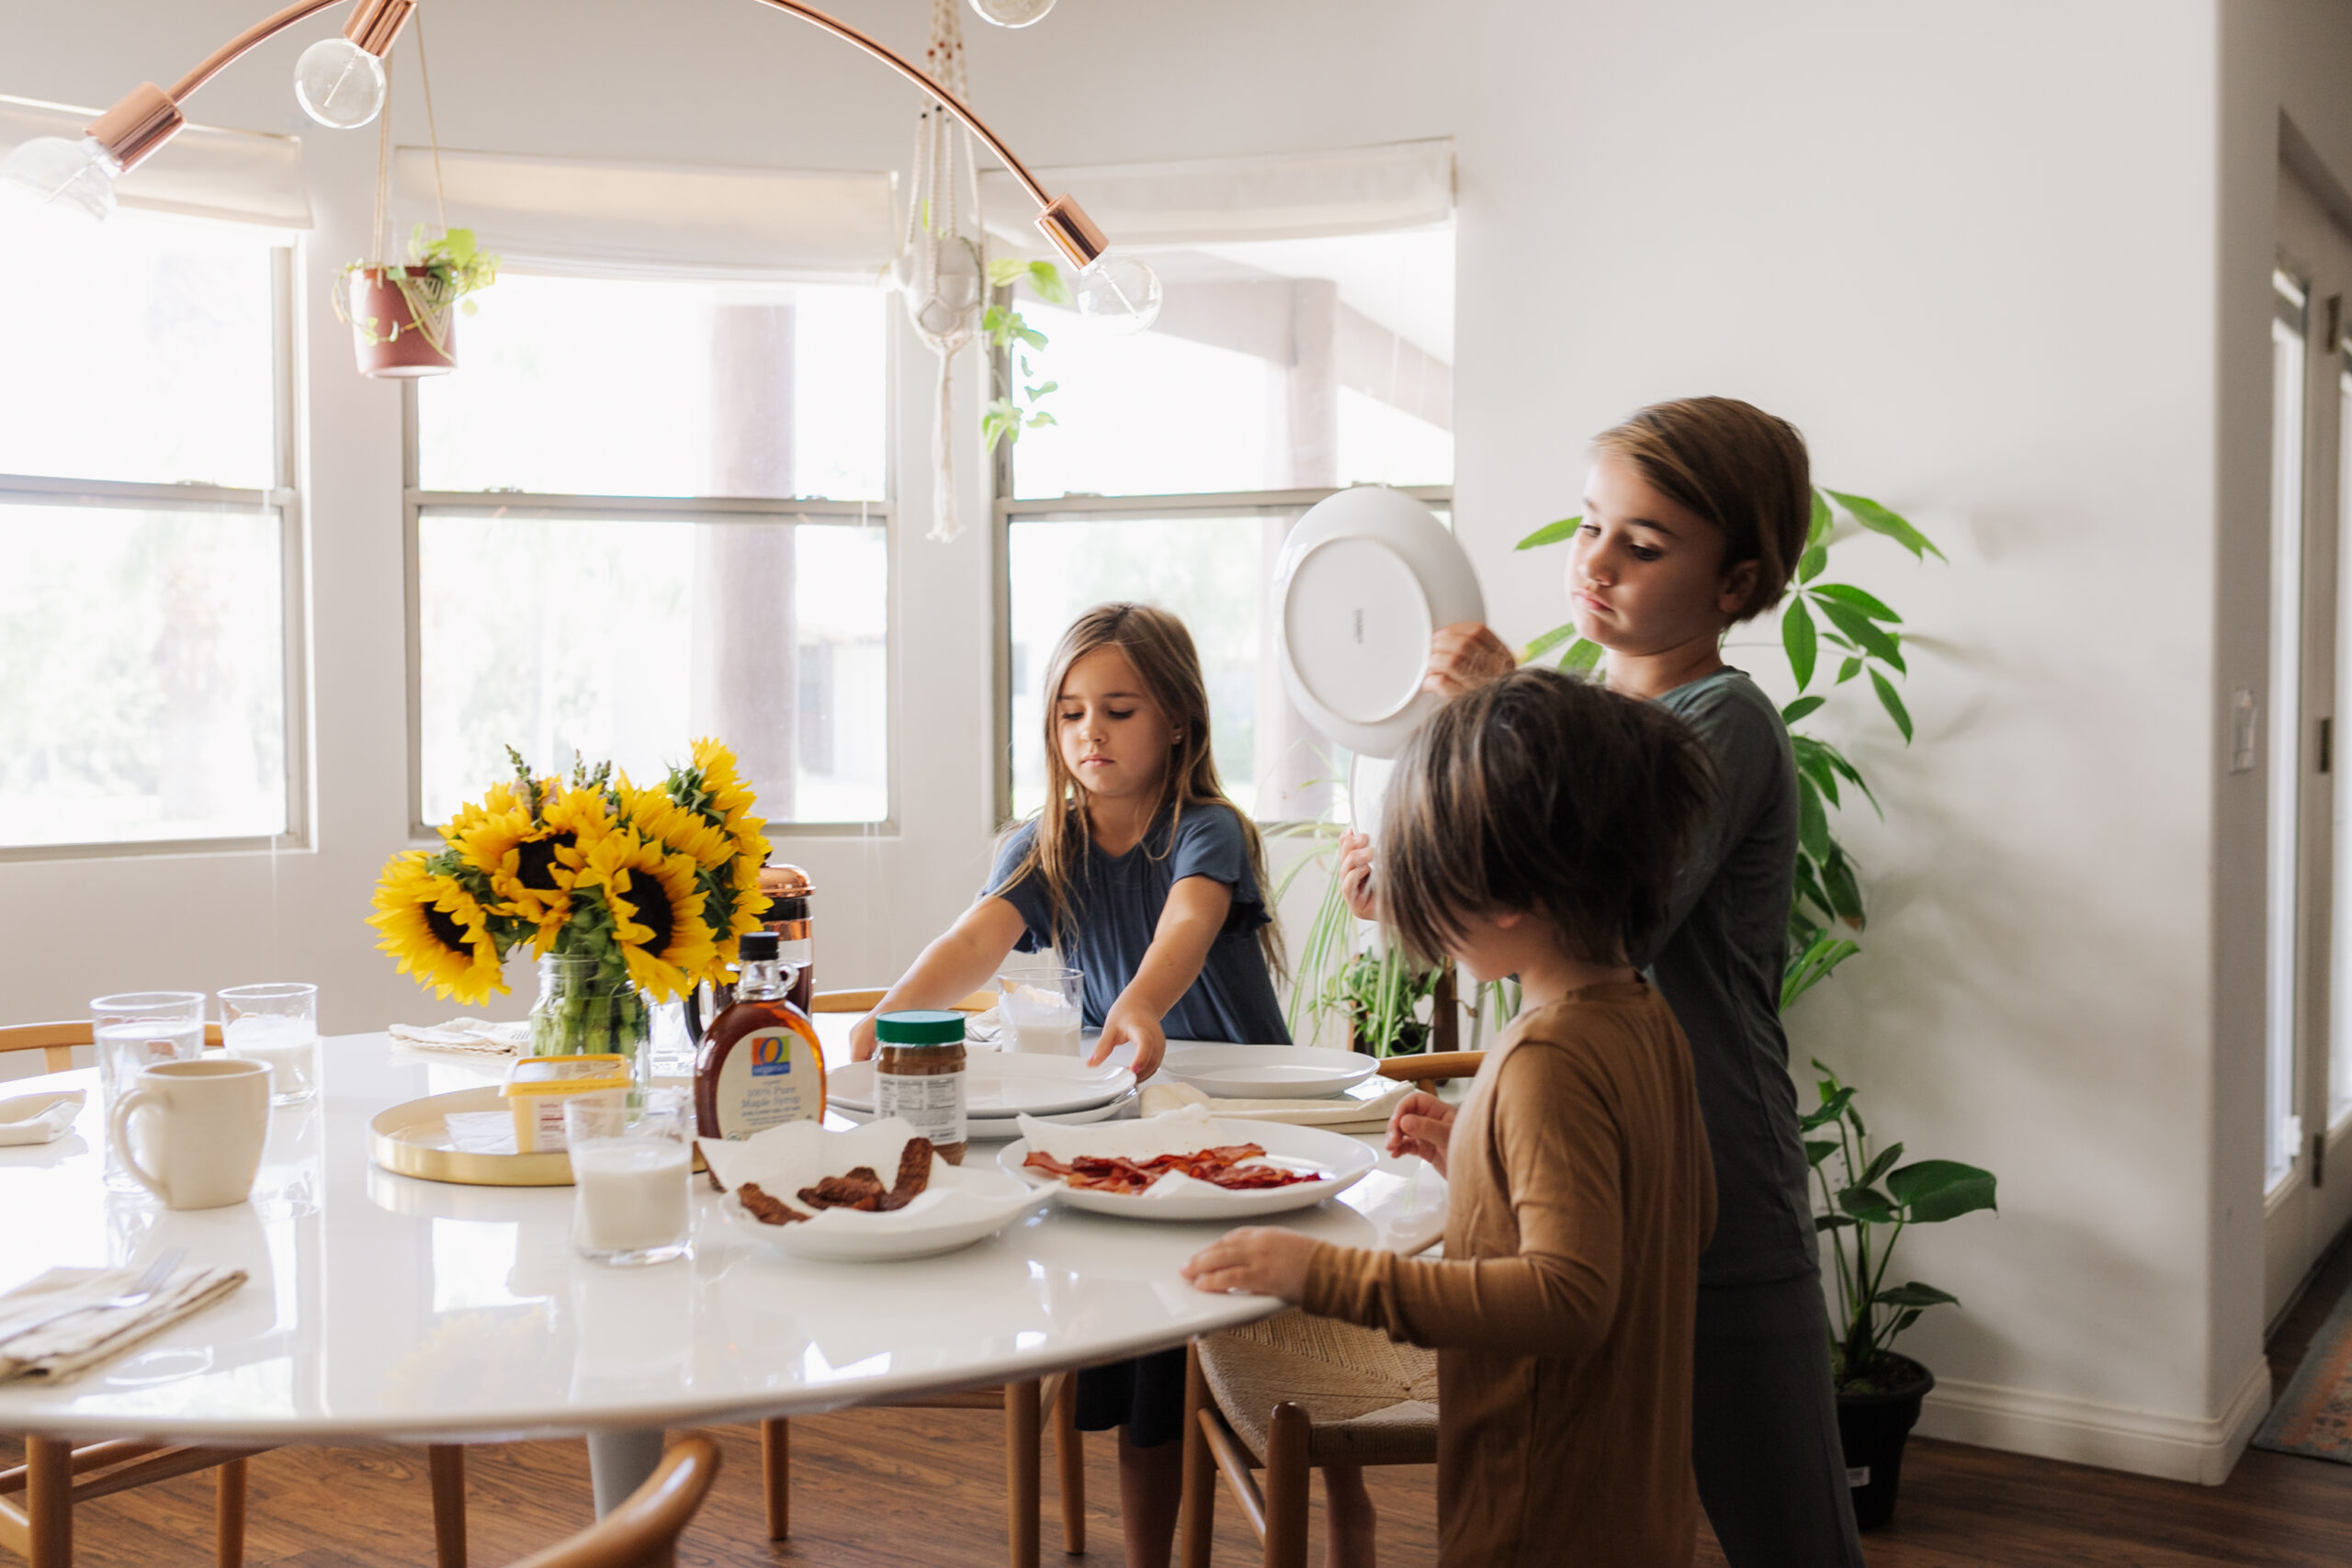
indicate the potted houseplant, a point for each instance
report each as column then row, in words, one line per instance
column 1866, row 1203
column 404, row 318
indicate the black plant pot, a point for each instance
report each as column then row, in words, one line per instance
column 1875, row 1425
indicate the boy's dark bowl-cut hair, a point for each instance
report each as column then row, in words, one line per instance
column 1744, row 470
column 1544, row 794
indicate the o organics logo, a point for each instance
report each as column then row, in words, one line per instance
column 770, row 1054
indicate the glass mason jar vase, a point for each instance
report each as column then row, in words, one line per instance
column 583, row 1011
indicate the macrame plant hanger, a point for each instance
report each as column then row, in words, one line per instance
column 943, row 262
column 383, row 249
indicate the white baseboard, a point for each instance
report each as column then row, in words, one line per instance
column 2083, row 1431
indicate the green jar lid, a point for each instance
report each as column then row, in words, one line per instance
column 919, row 1028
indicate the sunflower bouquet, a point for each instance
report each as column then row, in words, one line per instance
column 622, row 894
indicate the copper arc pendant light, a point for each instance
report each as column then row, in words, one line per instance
column 340, row 83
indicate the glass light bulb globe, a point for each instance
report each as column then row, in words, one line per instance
column 69, row 176
column 1118, row 292
column 1013, row 13
column 339, row 84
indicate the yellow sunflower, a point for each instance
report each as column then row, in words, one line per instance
column 729, row 798
column 499, row 801
column 656, row 910
column 660, row 819
column 436, row 929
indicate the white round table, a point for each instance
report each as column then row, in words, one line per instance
column 383, row 1306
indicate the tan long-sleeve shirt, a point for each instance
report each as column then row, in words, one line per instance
column 1580, row 1195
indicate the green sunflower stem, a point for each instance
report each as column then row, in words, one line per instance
column 585, row 1008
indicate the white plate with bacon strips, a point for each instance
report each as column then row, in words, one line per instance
column 1186, row 1165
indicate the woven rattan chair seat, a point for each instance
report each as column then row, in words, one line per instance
column 1368, row 1399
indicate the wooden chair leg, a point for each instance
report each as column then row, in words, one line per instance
column 49, row 1503
column 229, row 1515
column 1286, row 1471
column 1069, row 1457
column 1021, row 1462
column 775, row 1475
column 1196, row 1514
column 446, row 1464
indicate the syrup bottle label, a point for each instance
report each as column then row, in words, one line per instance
column 771, row 1075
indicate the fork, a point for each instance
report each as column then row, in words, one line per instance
column 141, row 1289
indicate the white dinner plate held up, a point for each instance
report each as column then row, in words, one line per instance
column 998, row 1083
column 960, row 1206
column 1364, row 581
column 1339, row 1160
column 1267, row 1072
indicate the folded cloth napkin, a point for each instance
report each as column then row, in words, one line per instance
column 37, row 1342
column 39, row 1118
column 1347, row 1115
column 474, row 1036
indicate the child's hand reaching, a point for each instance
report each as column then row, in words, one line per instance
column 1422, row 1125
column 1126, row 1024
column 1463, row 654
column 1261, row 1261
column 1355, row 875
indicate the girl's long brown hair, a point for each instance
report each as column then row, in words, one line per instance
column 1162, row 650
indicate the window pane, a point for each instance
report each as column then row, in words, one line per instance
column 142, row 351
column 590, row 387
column 1274, row 365
column 142, row 691
column 627, row 637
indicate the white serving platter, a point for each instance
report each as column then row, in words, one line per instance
column 963, row 1206
column 1342, row 1160
column 1002, row 1084
column 1267, row 1072
column 1364, row 581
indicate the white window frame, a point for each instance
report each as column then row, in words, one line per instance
column 280, row 497
column 685, row 510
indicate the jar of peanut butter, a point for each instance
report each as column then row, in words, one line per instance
column 919, row 1074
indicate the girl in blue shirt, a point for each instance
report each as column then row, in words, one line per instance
column 1144, row 877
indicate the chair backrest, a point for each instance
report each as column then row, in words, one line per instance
column 58, row 1040
column 1426, row 1071
column 643, row 1531
column 860, row 1001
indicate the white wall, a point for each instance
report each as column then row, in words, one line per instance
column 1972, row 253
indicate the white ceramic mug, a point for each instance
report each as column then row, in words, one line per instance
column 208, row 1120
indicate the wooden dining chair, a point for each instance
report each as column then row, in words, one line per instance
column 643, row 1531
column 55, row 1474
column 1025, row 1406
column 56, row 1041
column 1294, row 1392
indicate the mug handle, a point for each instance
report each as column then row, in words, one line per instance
column 118, row 1129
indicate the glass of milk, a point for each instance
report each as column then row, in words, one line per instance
column 278, row 1024
column 632, row 1170
column 1045, row 1009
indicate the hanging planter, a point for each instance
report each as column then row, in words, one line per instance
column 403, row 319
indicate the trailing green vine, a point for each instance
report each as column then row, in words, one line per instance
column 1006, row 415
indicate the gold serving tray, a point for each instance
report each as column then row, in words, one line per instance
column 413, row 1139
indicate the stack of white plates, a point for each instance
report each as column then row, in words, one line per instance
column 1000, row 1087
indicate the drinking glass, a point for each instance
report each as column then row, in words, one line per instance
column 632, row 1168
column 278, row 1025
column 1045, row 1008
column 133, row 1030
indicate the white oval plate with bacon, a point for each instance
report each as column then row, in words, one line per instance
column 1187, row 1166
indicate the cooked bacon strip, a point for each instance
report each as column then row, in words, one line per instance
column 914, row 1175
column 861, row 1188
column 1221, row 1167
column 768, row 1211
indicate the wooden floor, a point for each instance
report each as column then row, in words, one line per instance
column 926, row 1487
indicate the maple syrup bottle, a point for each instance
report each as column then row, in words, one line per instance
column 760, row 1063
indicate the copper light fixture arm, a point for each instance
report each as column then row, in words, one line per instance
column 260, row 32
column 149, row 117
